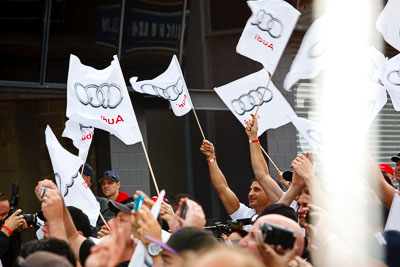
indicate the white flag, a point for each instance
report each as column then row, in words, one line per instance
column 390, row 77
column 267, row 31
column 392, row 222
column 243, row 96
column 310, row 131
column 69, row 181
column 169, row 85
column 309, row 60
column 388, row 23
column 81, row 136
column 99, row 98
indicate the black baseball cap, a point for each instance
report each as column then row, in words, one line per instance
column 396, row 158
column 116, row 206
column 110, row 175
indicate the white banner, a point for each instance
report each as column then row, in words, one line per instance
column 392, row 222
column 267, row 31
column 309, row 60
column 390, row 77
column 243, row 96
column 388, row 23
column 169, row 85
column 99, row 98
column 81, row 136
column 69, row 181
column 310, row 131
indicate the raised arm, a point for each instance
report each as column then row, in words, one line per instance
column 72, row 235
column 260, row 167
column 383, row 190
column 228, row 198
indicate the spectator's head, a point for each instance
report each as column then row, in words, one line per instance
column 54, row 245
column 281, row 209
column 123, row 219
column 397, row 168
column 184, row 240
column 174, row 200
column 87, row 174
column 81, row 221
column 110, row 184
column 302, row 201
column 258, row 200
column 4, row 206
column 249, row 241
column 387, row 170
column 223, row 256
column 42, row 258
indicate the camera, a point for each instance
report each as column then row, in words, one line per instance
column 31, row 219
column 277, row 235
column 218, row 228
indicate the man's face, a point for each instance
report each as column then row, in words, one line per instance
column 87, row 180
column 397, row 171
column 109, row 187
column 4, row 209
column 249, row 241
column 257, row 197
column 123, row 221
column 303, row 201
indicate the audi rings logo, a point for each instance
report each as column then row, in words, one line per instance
column 104, row 95
column 171, row 93
column 68, row 185
column 394, row 77
column 249, row 101
column 314, row 135
column 267, row 23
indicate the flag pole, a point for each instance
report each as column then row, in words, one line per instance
column 262, row 98
column 151, row 169
column 273, row 163
column 198, row 122
column 104, row 221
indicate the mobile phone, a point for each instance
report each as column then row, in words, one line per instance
column 138, row 202
column 277, row 235
column 184, row 210
column 42, row 191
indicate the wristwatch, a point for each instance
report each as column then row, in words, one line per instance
column 154, row 249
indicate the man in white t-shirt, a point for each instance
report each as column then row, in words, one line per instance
column 258, row 200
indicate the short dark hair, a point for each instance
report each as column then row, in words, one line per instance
column 52, row 244
column 3, row 196
column 281, row 209
column 81, row 220
column 174, row 200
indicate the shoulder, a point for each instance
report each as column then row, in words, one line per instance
column 243, row 212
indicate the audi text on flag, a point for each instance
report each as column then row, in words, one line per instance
column 267, row 32
column 309, row 60
column 169, row 85
column 390, row 77
column 243, row 96
column 81, row 136
column 310, row 131
column 69, row 181
column 388, row 23
column 99, row 98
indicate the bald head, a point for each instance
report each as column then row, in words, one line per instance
column 249, row 240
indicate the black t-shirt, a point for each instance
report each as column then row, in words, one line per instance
column 84, row 250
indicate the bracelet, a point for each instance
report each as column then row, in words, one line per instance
column 253, row 141
column 211, row 160
column 8, row 229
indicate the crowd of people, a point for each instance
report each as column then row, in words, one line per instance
column 284, row 224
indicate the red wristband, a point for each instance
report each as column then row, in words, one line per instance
column 253, row 141
column 211, row 160
column 8, row 229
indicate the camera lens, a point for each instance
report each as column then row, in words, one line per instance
column 31, row 219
